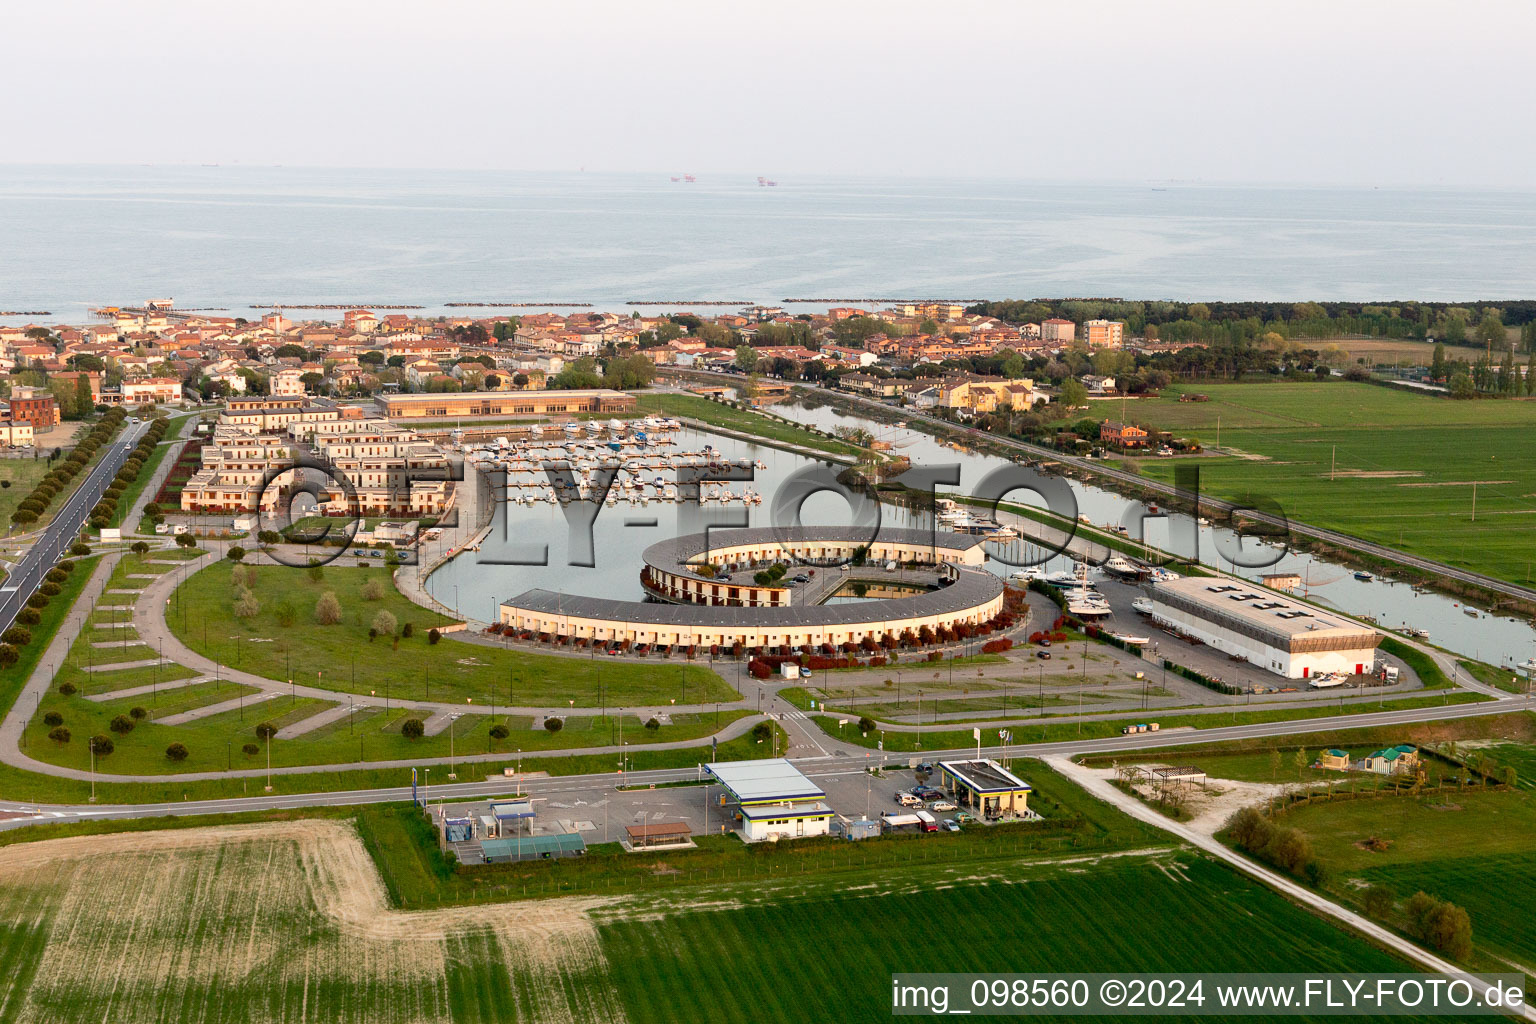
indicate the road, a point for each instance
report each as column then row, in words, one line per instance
column 53, row 540
column 830, row 757
column 1097, row 468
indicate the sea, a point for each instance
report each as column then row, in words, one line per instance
column 239, row 238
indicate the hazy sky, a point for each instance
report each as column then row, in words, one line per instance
column 1355, row 91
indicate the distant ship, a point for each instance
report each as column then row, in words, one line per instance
column 765, row 181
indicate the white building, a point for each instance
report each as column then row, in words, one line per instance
column 773, row 799
column 1288, row 638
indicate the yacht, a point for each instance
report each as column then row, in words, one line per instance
column 1087, row 604
column 1142, row 605
column 572, row 430
column 1034, row 572
column 1130, row 638
column 1364, row 576
column 1122, row 568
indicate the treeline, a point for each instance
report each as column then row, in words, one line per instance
column 32, row 507
column 1246, row 322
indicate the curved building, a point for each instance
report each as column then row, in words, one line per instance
column 706, row 603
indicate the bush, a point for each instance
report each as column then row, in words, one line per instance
column 250, row 749
column 66, row 566
column 997, row 646
column 413, row 729
column 407, row 630
column 328, row 609
column 53, row 718
column 29, row 617
column 50, row 589
column 139, row 548
column 121, row 724
column 17, row 636
column 56, row 575
column 67, row 689
column 59, row 734
column 38, row 600
column 867, row 725
column 138, row 714
column 266, row 731
column 652, row 725
column 235, row 553
column 553, row 724
column 176, row 752
column 80, row 549
column 373, row 590
column 762, row 732
column 500, row 732
column 384, row 624
column 101, row 745
column 1440, row 925
column 1378, row 900
column 434, row 635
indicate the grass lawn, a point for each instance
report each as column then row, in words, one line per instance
column 133, row 490
column 1471, row 847
column 718, row 415
column 202, row 615
column 17, row 478
column 1050, row 731
column 1405, row 464
column 14, row 678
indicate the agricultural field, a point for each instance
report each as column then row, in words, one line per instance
column 1469, row 846
column 289, row 920
column 1402, row 465
column 283, row 641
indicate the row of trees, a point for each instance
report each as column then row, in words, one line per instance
column 31, row 508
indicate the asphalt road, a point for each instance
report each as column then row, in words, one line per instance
column 54, row 540
column 835, row 761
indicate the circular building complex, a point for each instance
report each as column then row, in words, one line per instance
column 771, row 587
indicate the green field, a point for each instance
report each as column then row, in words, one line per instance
column 1470, row 846
column 1048, row 730
column 341, row 657
column 17, row 478
column 289, row 920
column 1403, row 464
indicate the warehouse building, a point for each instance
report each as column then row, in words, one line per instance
column 1287, row 638
column 773, row 799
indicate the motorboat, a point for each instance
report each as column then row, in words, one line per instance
column 1122, row 568
column 1028, row 575
column 1130, row 638
column 1364, row 576
column 1142, row 606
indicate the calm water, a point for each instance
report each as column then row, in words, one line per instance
column 231, row 236
column 475, row 583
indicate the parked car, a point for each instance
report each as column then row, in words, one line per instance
column 805, row 673
column 941, row 805
column 951, row 825
column 925, row 768
column 1045, row 641
column 1043, row 654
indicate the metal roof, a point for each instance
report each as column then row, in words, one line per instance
column 971, row 587
column 513, row 809
column 674, row 552
column 774, row 812
column 985, row 776
column 555, row 842
column 764, row 781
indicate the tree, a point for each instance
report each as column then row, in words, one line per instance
column 373, row 590
column 652, row 725
column 53, row 718
column 1490, row 331
column 266, row 731
column 246, row 605
column 1462, row 386
column 385, row 623
column 176, row 752
column 746, row 358
column 101, row 745
column 1437, row 362
column 328, row 609
column 84, row 402
column 138, row 714
column 59, row 734
column 553, row 724
column 1073, row 394
column 250, row 749
column 235, row 553
column 139, row 548
column 434, row 635
column 1378, row 900
column 866, row 725
column 268, row 537
column 413, row 729
column 315, row 571
column 500, row 732
column 1300, row 760
column 121, row 724
column 186, row 540
column 1274, row 763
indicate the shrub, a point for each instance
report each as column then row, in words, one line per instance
column 80, row 549
column 50, row 589
column 407, row 630
column 53, row 718
column 1441, row 925
column 235, row 553
column 17, row 636
column 652, row 725
column 284, row 614
column 59, row 734
column 866, row 726
column 996, row 646
column 434, row 635
column 101, row 745
column 176, row 752
column 38, row 600
column 413, row 728
column 56, row 575
column 265, row 731
column 384, row 623
column 8, row 656
column 316, row 572
column 29, row 617
column 553, row 724
column 246, row 605
column 328, row 609
column 121, row 724
column 67, row 566
column 67, row 689
column 139, row 548
column 373, row 590
column 250, row 749
column 762, row 732
column 500, row 732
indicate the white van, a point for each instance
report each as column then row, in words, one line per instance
column 179, row 529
